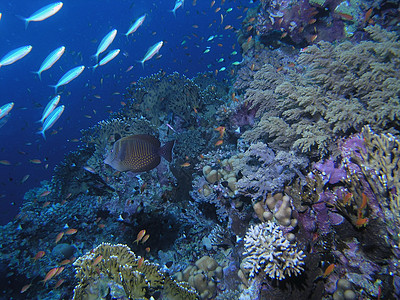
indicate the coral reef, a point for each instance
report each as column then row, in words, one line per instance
column 268, row 251
column 336, row 90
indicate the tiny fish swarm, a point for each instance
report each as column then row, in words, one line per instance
column 267, row 249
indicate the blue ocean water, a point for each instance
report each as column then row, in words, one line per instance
column 80, row 26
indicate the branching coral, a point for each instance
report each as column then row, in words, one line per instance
column 267, row 250
column 342, row 88
column 262, row 171
column 109, row 266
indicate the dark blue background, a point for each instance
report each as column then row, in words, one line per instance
column 80, row 26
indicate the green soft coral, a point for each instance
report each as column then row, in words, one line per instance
column 342, row 88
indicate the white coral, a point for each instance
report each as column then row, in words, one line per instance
column 267, row 249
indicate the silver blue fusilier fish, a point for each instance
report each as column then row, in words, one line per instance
column 105, row 42
column 43, row 13
column 153, row 50
column 5, row 109
column 14, row 55
column 178, row 3
column 51, row 119
column 69, row 76
column 50, row 60
column 50, row 107
column 109, row 57
column 136, row 25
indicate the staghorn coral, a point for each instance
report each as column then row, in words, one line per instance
column 336, row 90
column 267, row 250
column 116, row 265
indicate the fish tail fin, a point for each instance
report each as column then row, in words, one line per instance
column 166, row 150
column 25, row 20
column 96, row 57
column 42, row 132
column 55, row 87
column 142, row 62
column 174, row 12
column 39, row 74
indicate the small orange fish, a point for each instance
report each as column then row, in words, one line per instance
column 145, row 238
column 47, row 203
column 5, row 162
column 279, row 69
column 147, row 249
column 219, row 143
column 45, row 193
column 39, row 255
column 59, row 237
column 346, row 16
column 140, row 262
column 25, row 288
column 195, row 110
column 328, row 270
column 101, row 226
column 71, row 231
column 217, row 9
column 249, row 39
column 97, row 260
column 65, row 262
column 228, row 27
column 220, row 45
column 221, row 130
column 140, row 235
column 313, row 38
column 60, row 282
column 195, row 26
column 50, row 275
column 59, row 270
column 143, row 187
column 252, row 67
column 347, row 198
column 312, row 21
column 361, row 222
column 186, row 164
column 283, row 35
column 368, row 15
column 35, row 161
column 212, row 4
column 251, row 20
column 364, row 201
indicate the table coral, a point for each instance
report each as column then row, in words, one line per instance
column 267, row 250
column 116, row 265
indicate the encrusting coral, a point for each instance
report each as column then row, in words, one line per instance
column 268, row 250
column 115, row 269
column 334, row 90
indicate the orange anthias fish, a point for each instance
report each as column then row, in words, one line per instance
column 45, row 193
column 71, row 231
column 39, row 255
column 361, row 222
column 328, row 270
column 140, row 262
column 60, row 282
column 221, row 130
column 140, row 235
column 59, row 237
column 145, row 238
column 97, row 260
column 138, row 153
column 219, row 143
column 25, row 288
column 50, row 275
